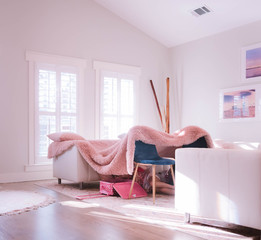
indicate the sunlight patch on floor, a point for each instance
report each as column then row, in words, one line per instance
column 77, row 204
column 196, row 230
column 138, row 219
column 150, row 208
column 126, row 218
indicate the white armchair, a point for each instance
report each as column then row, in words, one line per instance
column 222, row 184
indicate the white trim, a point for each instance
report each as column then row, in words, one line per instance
column 97, row 104
column 25, row 176
column 54, row 59
column 31, row 112
column 80, row 98
column 39, row 167
column 97, row 65
column 137, row 100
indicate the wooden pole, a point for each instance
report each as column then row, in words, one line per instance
column 167, row 107
column 157, row 103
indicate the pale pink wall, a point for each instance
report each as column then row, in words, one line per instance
column 76, row 28
column 202, row 68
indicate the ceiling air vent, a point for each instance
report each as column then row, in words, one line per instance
column 200, row 11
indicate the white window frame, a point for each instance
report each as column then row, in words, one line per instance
column 34, row 59
column 99, row 67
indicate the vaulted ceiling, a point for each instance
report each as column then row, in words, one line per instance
column 172, row 23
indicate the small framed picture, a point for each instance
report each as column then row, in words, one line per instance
column 240, row 103
column 251, row 63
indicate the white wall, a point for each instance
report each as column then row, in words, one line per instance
column 201, row 68
column 75, row 28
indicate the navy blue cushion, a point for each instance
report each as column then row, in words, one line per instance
column 160, row 161
column 199, row 143
column 147, row 154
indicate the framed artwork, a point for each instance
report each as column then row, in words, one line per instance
column 251, row 63
column 240, row 104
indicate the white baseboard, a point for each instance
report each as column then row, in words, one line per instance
column 25, row 176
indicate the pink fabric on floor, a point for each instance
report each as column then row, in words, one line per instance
column 116, row 156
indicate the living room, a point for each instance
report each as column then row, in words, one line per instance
column 199, row 70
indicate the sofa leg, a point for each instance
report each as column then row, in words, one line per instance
column 187, row 218
column 81, row 185
column 59, row 180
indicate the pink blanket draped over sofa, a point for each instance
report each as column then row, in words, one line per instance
column 116, row 156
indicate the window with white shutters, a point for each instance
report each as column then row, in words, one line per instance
column 117, row 97
column 56, row 105
column 54, row 100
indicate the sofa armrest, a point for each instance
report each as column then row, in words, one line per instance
column 71, row 166
column 222, row 184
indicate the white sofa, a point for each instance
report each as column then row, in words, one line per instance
column 71, row 166
column 222, row 184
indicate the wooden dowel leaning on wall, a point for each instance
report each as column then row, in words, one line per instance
column 167, row 108
column 157, row 103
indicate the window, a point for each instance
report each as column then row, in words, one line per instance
column 56, row 104
column 116, row 99
column 54, row 100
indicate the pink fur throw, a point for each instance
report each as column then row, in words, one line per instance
column 116, row 156
column 64, row 136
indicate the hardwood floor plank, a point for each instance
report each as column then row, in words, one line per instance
column 71, row 219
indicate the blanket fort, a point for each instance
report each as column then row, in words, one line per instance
column 116, row 156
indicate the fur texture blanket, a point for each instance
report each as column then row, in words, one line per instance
column 116, row 156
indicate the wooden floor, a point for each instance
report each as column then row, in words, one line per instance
column 72, row 219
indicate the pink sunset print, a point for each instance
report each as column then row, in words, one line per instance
column 239, row 104
column 253, row 63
